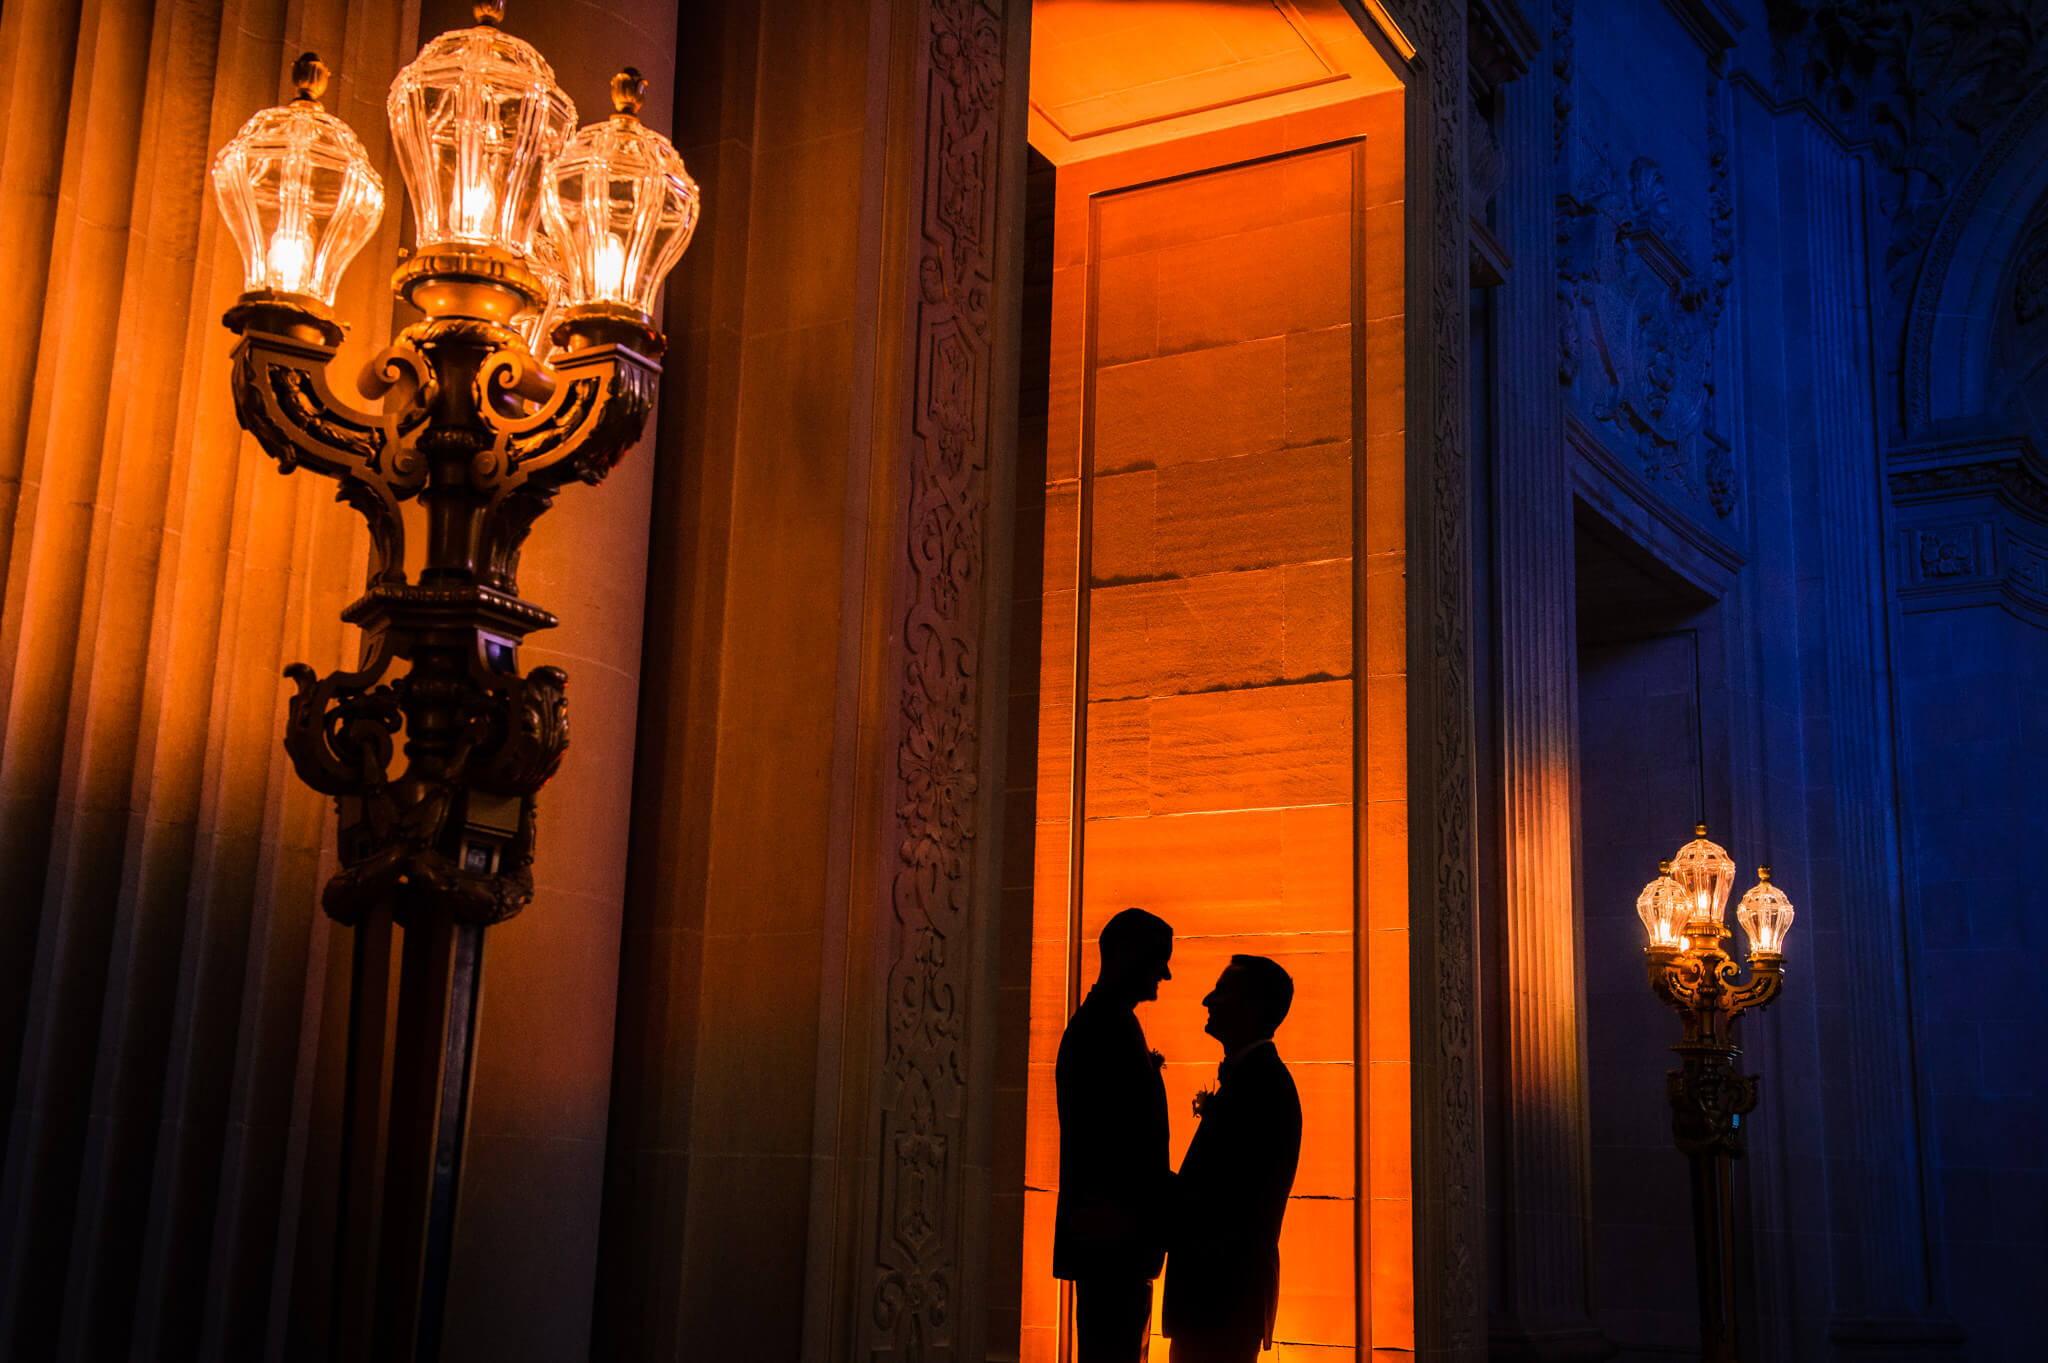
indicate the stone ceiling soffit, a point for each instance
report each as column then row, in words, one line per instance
column 1108, row 76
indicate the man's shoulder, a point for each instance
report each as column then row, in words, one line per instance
column 1266, row 1070
column 1095, row 1025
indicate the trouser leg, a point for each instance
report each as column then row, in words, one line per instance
column 1111, row 1316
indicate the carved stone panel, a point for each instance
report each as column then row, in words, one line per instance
column 919, row 1266
column 1645, row 257
column 1972, row 527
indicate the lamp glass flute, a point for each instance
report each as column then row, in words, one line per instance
column 298, row 194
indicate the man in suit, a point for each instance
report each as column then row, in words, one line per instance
column 1109, row 1233
column 1223, row 1277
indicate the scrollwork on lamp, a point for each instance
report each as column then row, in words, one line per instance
column 540, row 250
column 1684, row 915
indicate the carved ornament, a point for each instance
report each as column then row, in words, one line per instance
column 1641, row 318
column 1450, row 1311
column 918, row 1259
column 1926, row 81
column 473, row 426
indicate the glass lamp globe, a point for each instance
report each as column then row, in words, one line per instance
column 475, row 120
column 1765, row 914
column 1708, row 874
column 1664, row 906
column 536, row 325
column 621, row 206
column 298, row 193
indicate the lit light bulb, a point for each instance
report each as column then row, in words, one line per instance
column 610, row 280
column 1662, row 907
column 475, row 205
column 291, row 260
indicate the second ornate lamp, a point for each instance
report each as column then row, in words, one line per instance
column 1683, row 911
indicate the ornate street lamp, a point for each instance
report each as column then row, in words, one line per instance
column 530, row 234
column 1683, row 912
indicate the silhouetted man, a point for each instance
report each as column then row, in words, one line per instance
column 1109, row 1236
column 1223, row 1279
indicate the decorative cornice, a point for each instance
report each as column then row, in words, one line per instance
column 1972, row 518
column 1500, row 42
column 2008, row 468
column 1711, row 24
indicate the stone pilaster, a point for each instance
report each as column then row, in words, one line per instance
column 1544, row 1295
column 915, row 1057
column 1886, row 1294
column 1449, row 1184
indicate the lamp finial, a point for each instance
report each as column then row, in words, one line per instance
column 309, row 73
column 490, row 12
column 1763, row 874
column 629, row 91
column 1699, row 830
column 1664, row 868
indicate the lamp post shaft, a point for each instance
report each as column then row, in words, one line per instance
column 1714, row 1251
column 403, row 1138
column 1709, row 1099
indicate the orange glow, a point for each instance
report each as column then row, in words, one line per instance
column 1224, row 569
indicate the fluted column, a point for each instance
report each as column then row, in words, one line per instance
column 1547, row 1208
column 161, row 950
column 1887, row 1293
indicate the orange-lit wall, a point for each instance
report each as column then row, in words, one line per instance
column 1223, row 584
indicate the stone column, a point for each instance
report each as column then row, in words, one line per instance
column 803, row 1106
column 1547, row 1209
column 1886, row 1293
column 160, row 928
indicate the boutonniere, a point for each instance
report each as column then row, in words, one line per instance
column 1158, row 1060
column 1203, row 1098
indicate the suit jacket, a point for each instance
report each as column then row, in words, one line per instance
column 1114, row 1166
column 1223, row 1276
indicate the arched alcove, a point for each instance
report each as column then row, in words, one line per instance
column 1951, row 362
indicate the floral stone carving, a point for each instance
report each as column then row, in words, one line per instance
column 1640, row 320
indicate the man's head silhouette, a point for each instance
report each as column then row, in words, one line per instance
column 1250, row 1000
column 1136, row 947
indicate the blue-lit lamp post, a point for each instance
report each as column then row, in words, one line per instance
column 1683, row 910
column 530, row 234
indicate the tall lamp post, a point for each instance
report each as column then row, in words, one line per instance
column 1683, row 910
column 540, row 248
